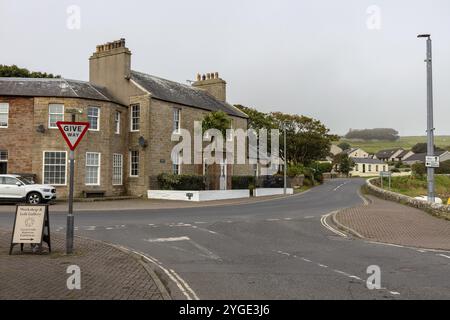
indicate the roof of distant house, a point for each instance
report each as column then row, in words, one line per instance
column 367, row 160
column 387, row 153
column 421, row 156
column 53, row 87
column 171, row 91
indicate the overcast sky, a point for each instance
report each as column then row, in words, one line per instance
column 349, row 63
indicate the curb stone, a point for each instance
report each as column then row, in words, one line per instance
column 152, row 274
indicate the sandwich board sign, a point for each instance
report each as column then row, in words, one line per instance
column 73, row 132
column 31, row 226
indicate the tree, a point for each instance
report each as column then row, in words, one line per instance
column 257, row 120
column 343, row 163
column 15, row 71
column 308, row 139
column 373, row 134
column 344, row 145
column 217, row 120
column 419, row 169
column 421, row 147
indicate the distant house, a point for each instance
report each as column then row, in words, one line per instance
column 356, row 153
column 420, row 157
column 368, row 167
column 334, row 151
column 396, row 154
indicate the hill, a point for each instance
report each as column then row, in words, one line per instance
column 374, row 146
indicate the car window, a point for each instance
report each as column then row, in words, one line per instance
column 10, row 181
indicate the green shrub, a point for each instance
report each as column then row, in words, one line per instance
column 242, row 182
column 324, row 167
column 418, row 169
column 168, row 181
column 395, row 170
column 295, row 170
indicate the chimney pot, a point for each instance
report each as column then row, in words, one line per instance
column 199, row 77
column 203, row 77
column 216, row 75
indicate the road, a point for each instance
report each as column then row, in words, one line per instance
column 275, row 249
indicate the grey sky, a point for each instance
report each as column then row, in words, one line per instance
column 316, row 58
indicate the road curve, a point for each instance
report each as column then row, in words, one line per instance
column 276, row 249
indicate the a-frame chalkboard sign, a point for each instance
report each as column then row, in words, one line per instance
column 31, row 226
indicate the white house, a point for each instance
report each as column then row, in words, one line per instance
column 356, row 153
column 365, row 167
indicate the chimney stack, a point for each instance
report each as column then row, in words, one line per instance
column 213, row 84
column 110, row 67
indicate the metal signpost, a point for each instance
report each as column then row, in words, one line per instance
column 430, row 126
column 386, row 174
column 72, row 133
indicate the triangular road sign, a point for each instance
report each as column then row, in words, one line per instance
column 73, row 132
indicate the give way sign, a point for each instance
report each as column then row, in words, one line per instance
column 72, row 132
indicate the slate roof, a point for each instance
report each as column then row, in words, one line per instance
column 42, row 87
column 421, row 156
column 175, row 92
column 386, row 153
column 367, row 160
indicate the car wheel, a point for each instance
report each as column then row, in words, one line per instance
column 34, row 198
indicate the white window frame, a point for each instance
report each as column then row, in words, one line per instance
column 90, row 117
column 230, row 136
column 176, row 119
column 176, row 164
column 99, row 168
column 117, row 116
column 7, row 115
column 131, row 163
column 43, row 167
column 132, row 117
column 63, row 110
column 114, row 166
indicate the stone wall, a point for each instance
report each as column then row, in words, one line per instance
column 438, row 210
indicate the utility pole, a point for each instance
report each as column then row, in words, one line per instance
column 430, row 126
column 285, row 160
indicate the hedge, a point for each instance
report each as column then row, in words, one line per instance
column 168, row 181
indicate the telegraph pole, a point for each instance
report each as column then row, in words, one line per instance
column 430, row 126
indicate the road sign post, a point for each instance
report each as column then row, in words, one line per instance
column 72, row 133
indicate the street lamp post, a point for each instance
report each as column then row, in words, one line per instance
column 285, row 160
column 430, row 126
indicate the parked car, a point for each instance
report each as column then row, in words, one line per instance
column 17, row 188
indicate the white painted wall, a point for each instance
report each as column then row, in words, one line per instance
column 260, row 192
column 197, row 196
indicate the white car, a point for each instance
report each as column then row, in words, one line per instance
column 14, row 187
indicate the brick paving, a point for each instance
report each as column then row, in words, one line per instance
column 391, row 222
column 106, row 272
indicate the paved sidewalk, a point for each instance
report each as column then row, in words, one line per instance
column 142, row 204
column 390, row 222
column 106, row 273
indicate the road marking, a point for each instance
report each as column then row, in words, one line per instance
column 288, row 219
column 284, row 253
column 394, row 293
column 185, row 284
column 171, row 239
column 186, row 290
column 207, row 252
column 272, row 219
column 341, row 185
column 445, row 256
column 200, row 222
column 306, row 260
column 326, row 225
column 322, row 265
column 90, row 228
column 309, row 217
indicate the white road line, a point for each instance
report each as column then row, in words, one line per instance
column 90, row 228
column 443, row 255
column 394, row 293
column 272, row 219
column 306, row 260
column 171, row 239
column 185, row 284
column 185, row 290
column 322, row 265
column 200, row 222
column 308, row 217
column 341, row 185
column 284, row 253
column 207, row 252
column 326, row 225
column 287, row 219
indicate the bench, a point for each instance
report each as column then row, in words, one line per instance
column 94, row 193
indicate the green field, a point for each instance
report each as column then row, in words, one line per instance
column 374, row 146
column 414, row 186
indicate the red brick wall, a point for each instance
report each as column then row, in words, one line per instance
column 17, row 139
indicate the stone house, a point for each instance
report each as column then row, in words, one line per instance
column 132, row 115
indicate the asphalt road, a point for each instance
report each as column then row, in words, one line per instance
column 275, row 249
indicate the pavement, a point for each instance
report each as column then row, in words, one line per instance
column 276, row 249
column 140, row 204
column 390, row 222
column 106, row 272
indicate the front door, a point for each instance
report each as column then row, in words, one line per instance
column 364, row 168
column 223, row 175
